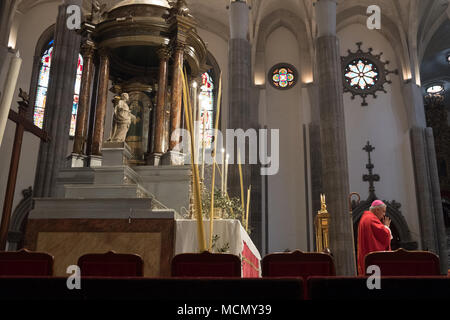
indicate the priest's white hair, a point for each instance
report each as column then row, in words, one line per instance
column 378, row 206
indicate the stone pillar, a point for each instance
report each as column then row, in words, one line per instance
column 7, row 11
column 58, row 109
column 158, row 148
column 428, row 194
column 87, row 51
column 173, row 156
column 438, row 212
column 315, row 150
column 102, row 101
column 333, row 140
column 243, row 113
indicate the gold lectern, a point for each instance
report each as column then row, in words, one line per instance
column 322, row 223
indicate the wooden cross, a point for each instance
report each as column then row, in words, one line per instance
column 22, row 125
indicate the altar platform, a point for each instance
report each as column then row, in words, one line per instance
column 70, row 228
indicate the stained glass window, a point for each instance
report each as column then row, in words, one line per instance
column 41, row 93
column 76, row 96
column 361, row 74
column 206, row 102
column 283, row 76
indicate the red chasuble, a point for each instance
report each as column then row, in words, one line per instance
column 372, row 236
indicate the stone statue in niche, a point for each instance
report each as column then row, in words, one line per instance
column 122, row 118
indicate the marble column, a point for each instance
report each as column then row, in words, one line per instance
column 58, row 109
column 102, row 102
column 177, row 91
column 173, row 156
column 335, row 176
column 87, row 51
column 158, row 148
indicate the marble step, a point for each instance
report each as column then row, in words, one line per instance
column 118, row 208
column 105, row 191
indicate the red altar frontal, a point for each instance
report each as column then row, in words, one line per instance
column 229, row 237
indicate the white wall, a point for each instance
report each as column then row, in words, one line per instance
column 286, row 190
column 30, row 27
column 384, row 123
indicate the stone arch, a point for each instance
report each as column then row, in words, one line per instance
column 292, row 22
column 44, row 39
column 215, row 72
column 18, row 221
column 357, row 15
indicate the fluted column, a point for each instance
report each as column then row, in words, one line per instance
column 243, row 113
column 87, row 51
column 158, row 148
column 333, row 140
column 102, row 100
column 58, row 108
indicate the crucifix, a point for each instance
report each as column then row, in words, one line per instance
column 22, row 125
column 371, row 178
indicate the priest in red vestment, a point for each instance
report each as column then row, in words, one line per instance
column 373, row 233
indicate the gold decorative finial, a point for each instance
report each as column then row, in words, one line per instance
column 322, row 223
column 323, row 205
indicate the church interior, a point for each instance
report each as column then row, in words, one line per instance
column 232, row 139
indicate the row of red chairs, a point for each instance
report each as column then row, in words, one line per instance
column 295, row 264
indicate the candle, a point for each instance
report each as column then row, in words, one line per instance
column 216, row 128
column 226, row 173
column 203, row 145
column 248, row 207
column 8, row 92
column 242, row 184
column 223, row 171
column 195, row 172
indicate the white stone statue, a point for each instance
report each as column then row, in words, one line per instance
column 122, row 118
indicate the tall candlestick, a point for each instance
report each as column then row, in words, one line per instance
column 203, row 144
column 242, row 185
column 8, row 92
column 226, row 174
column 223, row 171
column 248, row 207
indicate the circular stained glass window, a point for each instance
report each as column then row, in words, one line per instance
column 361, row 74
column 364, row 73
column 283, row 76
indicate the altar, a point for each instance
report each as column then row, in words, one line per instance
column 231, row 238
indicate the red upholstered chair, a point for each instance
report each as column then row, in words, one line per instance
column 404, row 263
column 206, row 265
column 25, row 263
column 297, row 264
column 111, row 264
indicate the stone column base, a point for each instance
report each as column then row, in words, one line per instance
column 94, row 161
column 76, row 160
column 116, row 153
column 154, row 159
column 173, row 158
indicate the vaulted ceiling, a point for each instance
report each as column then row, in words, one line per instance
column 423, row 25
